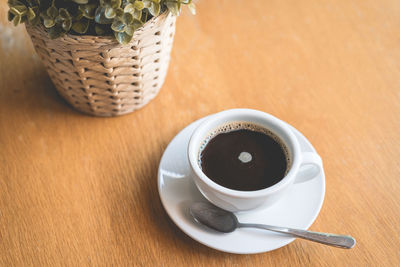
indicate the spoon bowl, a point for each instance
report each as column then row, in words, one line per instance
column 214, row 217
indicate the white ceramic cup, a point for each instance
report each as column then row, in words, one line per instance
column 235, row 200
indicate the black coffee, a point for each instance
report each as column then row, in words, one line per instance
column 247, row 159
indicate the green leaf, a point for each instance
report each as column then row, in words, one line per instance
column 118, row 26
column 115, row 3
column 31, row 14
column 18, row 10
column 81, row 26
column 122, row 37
column 130, row 30
column 88, row 11
column 137, row 24
column 79, row 15
column 155, row 9
column 147, row 3
column 119, row 12
column 127, row 18
column 16, row 20
column 64, row 14
column 55, row 32
column 100, row 16
column 137, row 14
column 99, row 30
column 82, row 2
column 130, row 8
column 110, row 13
column 52, row 12
column 66, row 25
column 49, row 22
column 139, row 5
column 192, row 8
column 173, row 7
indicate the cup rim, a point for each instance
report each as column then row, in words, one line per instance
column 270, row 119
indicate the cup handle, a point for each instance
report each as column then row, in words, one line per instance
column 310, row 167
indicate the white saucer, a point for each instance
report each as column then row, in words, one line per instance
column 297, row 209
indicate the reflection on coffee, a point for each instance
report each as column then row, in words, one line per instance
column 245, row 157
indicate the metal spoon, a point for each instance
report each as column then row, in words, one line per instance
column 225, row 221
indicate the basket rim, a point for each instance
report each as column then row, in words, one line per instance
column 40, row 27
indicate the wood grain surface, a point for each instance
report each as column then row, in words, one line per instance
column 77, row 190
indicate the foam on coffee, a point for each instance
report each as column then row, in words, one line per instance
column 233, row 126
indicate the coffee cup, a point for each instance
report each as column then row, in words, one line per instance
column 238, row 200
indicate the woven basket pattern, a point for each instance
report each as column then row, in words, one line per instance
column 98, row 76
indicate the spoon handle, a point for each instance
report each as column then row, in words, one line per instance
column 341, row 241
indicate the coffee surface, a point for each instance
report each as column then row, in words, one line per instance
column 244, row 160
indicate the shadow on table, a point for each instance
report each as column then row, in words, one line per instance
column 29, row 90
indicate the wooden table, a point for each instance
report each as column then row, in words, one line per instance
column 77, row 190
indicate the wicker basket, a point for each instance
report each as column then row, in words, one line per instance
column 98, row 76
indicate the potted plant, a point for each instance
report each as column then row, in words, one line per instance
column 105, row 57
